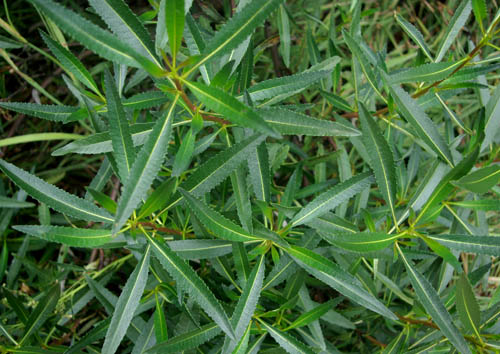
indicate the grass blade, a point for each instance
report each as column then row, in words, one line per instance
column 54, row 197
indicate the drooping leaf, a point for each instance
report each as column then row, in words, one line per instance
column 232, row 109
column 121, row 139
column 146, row 166
column 190, row 282
column 458, row 20
column 70, row 236
column 429, row 298
column 423, row 125
column 71, row 63
column 414, row 34
column 381, row 158
column 339, row 279
column 54, row 197
column 54, row 113
column 286, row 341
column 288, row 122
column 240, row 26
column 467, row 306
column 127, row 304
column 333, row 197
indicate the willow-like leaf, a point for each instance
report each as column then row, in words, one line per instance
column 74, row 237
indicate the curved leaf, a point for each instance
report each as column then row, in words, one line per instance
column 414, row 34
column 361, row 241
column 467, row 243
column 54, row 113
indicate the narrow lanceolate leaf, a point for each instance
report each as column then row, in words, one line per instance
column 246, row 304
column 480, row 12
column 458, row 20
column 127, row 304
column 381, row 158
column 467, row 306
column 126, row 26
column 429, row 298
column 121, row 139
column 260, row 172
column 415, row 35
column 186, row 341
column 484, row 204
column 214, row 171
column 200, row 249
column 240, row 26
column 218, row 224
column 489, row 245
column 75, row 237
column 232, row 109
column 288, row 122
column 492, row 119
column 44, row 111
column 338, row 278
column 145, row 168
column 423, row 125
column 71, row 63
column 14, row 203
column 41, row 312
column 425, row 73
column 482, row 180
column 337, row 101
column 310, row 316
column 185, row 153
column 93, row 37
column 361, row 241
column 286, row 341
column 190, row 282
column 284, row 31
column 175, row 24
column 273, row 87
column 333, row 197
column 54, row 197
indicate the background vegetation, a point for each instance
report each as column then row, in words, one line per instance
column 252, row 176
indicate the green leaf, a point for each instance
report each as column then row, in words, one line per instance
column 479, row 8
column 414, row 34
column 333, row 197
column 242, row 197
column 339, row 279
column 127, row 27
column 311, row 316
column 184, row 155
column 93, row 37
column 54, row 113
column 201, row 249
column 288, row 122
column 188, row 340
column 145, row 168
column 282, row 85
column 42, row 311
column 54, row 197
column 158, row 198
column 458, row 20
column 443, row 188
column 443, row 252
column 232, row 109
column 381, row 158
column 190, row 282
column 361, row 241
column 424, row 73
column 492, row 119
column 127, row 304
column 14, row 203
column 467, row 306
column 96, row 333
column 218, row 224
column 74, row 237
column 396, row 345
column 71, row 63
column 239, row 27
column 423, row 125
column 246, row 305
column 331, row 223
column 337, row 101
column 260, row 173
column 218, row 168
column 286, row 341
column 429, row 298
column 466, row 243
column 160, row 322
column 482, row 180
column 484, row 204
column 284, row 31
column 101, row 198
column 121, row 139
column 175, row 24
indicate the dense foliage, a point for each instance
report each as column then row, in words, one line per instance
column 252, row 176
